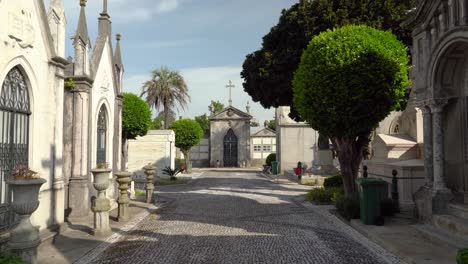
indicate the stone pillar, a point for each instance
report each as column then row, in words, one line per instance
column 441, row 194
column 101, row 204
column 123, row 178
column 428, row 148
column 149, row 172
column 78, row 193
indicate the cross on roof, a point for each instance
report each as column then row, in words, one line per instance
column 230, row 86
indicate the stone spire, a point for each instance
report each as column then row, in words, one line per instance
column 82, row 29
column 82, row 43
column 118, row 54
column 104, row 28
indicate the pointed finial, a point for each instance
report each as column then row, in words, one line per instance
column 118, row 36
column 104, row 8
column 248, row 107
column 83, row 3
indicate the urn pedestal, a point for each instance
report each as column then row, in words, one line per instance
column 24, row 238
column 123, row 179
column 150, row 170
column 101, row 205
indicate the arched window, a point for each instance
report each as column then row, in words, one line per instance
column 101, row 135
column 14, row 134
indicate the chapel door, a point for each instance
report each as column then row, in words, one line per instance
column 101, row 136
column 14, row 136
column 230, row 149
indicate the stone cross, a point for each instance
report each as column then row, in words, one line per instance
column 230, row 86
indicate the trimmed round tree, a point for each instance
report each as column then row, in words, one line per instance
column 136, row 121
column 188, row 133
column 349, row 80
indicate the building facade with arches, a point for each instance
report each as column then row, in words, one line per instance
column 32, row 44
column 60, row 117
column 440, row 58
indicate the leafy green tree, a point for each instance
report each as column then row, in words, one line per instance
column 136, row 121
column 216, row 106
column 188, row 133
column 254, row 124
column 350, row 79
column 204, row 122
column 272, row 124
column 166, row 90
column 268, row 72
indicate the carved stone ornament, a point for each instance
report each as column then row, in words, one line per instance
column 20, row 27
column 230, row 113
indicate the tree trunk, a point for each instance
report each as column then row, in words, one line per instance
column 166, row 115
column 187, row 160
column 123, row 163
column 349, row 152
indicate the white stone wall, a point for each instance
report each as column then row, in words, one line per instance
column 27, row 21
column 259, row 156
column 295, row 141
column 157, row 148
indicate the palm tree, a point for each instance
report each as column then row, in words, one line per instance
column 166, row 90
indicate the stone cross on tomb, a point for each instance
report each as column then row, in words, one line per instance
column 230, row 86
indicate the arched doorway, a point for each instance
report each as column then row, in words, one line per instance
column 451, row 81
column 230, row 149
column 14, row 135
column 101, row 147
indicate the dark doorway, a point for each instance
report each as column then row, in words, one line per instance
column 230, row 149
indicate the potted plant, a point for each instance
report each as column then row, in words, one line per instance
column 25, row 185
column 170, row 172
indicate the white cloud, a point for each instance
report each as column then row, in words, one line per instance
column 124, row 11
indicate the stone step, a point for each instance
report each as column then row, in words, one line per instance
column 452, row 224
column 439, row 236
column 458, row 210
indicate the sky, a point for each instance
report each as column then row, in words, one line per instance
column 205, row 40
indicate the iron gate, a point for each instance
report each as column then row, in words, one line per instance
column 230, row 149
column 14, row 136
column 101, row 136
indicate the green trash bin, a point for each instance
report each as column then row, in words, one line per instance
column 371, row 192
column 274, row 167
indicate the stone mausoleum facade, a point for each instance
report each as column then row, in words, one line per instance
column 61, row 131
column 440, row 57
column 230, row 138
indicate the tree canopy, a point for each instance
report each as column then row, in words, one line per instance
column 268, row 72
column 216, row 106
column 349, row 79
column 136, row 116
column 188, row 133
column 166, row 89
column 204, row 122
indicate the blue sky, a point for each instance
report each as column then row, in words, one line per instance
column 206, row 40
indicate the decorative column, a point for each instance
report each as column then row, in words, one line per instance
column 123, row 178
column 149, row 172
column 441, row 194
column 428, row 146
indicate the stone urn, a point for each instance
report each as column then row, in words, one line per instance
column 123, row 179
column 24, row 238
column 150, row 170
column 101, row 204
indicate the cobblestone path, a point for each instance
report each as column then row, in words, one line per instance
column 236, row 217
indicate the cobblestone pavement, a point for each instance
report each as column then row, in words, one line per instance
column 236, row 217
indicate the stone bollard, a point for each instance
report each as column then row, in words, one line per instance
column 149, row 172
column 101, row 205
column 123, row 178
